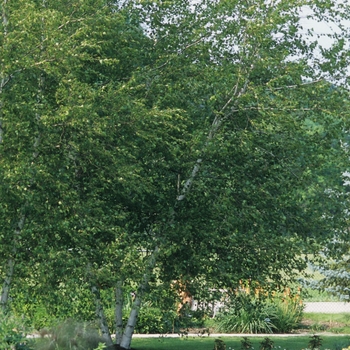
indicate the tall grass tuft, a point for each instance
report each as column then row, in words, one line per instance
column 285, row 315
column 246, row 315
column 256, row 314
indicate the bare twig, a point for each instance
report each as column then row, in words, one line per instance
column 276, row 109
column 180, row 52
column 296, row 85
column 70, row 17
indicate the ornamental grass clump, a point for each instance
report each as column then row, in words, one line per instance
column 243, row 321
column 280, row 313
column 246, row 315
column 286, row 314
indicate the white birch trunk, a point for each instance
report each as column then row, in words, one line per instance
column 2, row 85
column 119, row 312
column 7, row 284
column 130, row 327
column 101, row 316
column 3, row 80
column 5, row 291
column 215, row 126
column 4, row 297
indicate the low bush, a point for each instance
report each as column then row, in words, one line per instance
column 154, row 320
column 70, row 335
column 187, row 318
column 12, row 333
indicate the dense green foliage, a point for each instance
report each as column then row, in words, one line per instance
column 147, row 142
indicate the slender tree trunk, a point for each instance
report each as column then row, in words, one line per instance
column 11, row 262
column 11, row 266
column 3, row 80
column 7, row 284
column 2, row 85
column 119, row 312
column 130, row 327
column 101, row 316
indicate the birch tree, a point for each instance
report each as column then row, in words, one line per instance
column 39, row 53
column 257, row 104
column 189, row 140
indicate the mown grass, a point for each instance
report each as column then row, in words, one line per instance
column 311, row 295
column 234, row 343
column 311, row 323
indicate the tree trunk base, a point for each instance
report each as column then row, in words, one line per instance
column 117, row 347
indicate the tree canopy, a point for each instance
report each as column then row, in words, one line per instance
column 201, row 141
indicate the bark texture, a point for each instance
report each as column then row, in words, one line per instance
column 130, row 327
column 119, row 312
column 101, row 316
column 5, row 291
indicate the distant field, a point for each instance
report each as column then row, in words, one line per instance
column 309, row 294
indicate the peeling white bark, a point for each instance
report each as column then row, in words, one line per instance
column 119, row 312
column 186, row 187
column 7, row 284
column 101, row 316
column 4, row 16
column 130, row 327
column 3, row 79
column 5, row 291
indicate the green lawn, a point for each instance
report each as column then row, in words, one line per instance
column 288, row 343
column 315, row 295
column 335, row 323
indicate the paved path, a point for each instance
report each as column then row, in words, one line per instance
column 327, row 307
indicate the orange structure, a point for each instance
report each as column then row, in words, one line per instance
column 184, row 294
